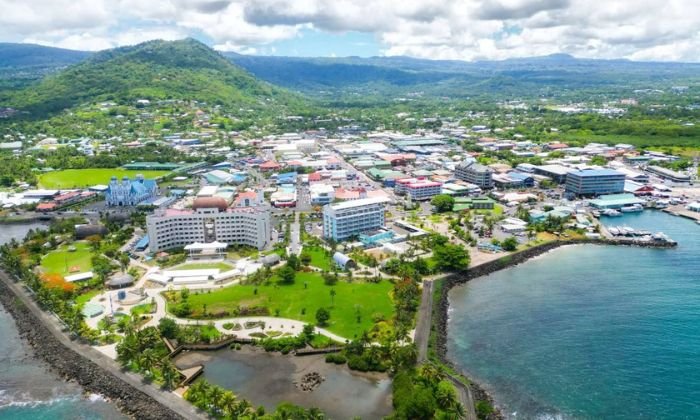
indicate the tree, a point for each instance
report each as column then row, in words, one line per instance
column 333, row 293
column 167, row 327
column 287, row 275
column 322, row 316
column 510, row 244
column 293, row 262
column 443, row 203
column 451, row 257
column 124, row 261
column 305, row 258
column 171, row 375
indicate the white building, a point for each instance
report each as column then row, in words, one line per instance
column 210, row 220
column 423, row 190
column 321, row 193
column 343, row 220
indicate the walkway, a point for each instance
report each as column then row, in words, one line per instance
column 422, row 335
column 110, row 366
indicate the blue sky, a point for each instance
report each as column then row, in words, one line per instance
column 314, row 43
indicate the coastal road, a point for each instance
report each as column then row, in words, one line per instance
column 425, row 312
column 109, row 367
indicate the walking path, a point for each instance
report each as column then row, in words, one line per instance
column 422, row 334
column 110, row 366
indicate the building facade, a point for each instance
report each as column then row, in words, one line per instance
column 423, row 190
column 341, row 221
column 595, row 182
column 130, row 193
column 475, row 173
column 208, row 221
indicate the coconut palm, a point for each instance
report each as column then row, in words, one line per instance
column 171, row 375
column 148, row 360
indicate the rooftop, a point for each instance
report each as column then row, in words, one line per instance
column 359, row 203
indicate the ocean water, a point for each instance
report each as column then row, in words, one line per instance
column 589, row 331
column 27, row 389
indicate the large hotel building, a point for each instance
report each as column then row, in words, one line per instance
column 211, row 219
column 343, row 220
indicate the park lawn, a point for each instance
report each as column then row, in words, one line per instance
column 62, row 260
column 74, row 178
column 496, row 211
column 204, row 266
column 85, row 297
column 319, row 258
column 368, row 298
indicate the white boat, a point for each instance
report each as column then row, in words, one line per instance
column 634, row 208
column 614, row 231
column 611, row 213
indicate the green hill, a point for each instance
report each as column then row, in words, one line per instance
column 185, row 69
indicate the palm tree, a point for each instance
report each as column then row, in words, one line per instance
column 229, row 404
column 333, row 293
column 171, row 375
column 214, row 396
column 148, row 360
column 430, row 374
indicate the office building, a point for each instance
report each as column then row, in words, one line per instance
column 595, row 182
column 475, row 173
column 423, row 190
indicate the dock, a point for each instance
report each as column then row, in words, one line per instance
column 681, row 211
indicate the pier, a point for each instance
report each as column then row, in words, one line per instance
column 681, row 211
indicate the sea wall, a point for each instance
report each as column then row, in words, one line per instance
column 70, row 365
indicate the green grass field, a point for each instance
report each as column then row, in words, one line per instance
column 73, row 178
column 319, row 258
column 368, row 299
column 61, row 261
column 204, row 266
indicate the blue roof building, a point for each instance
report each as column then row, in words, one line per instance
column 130, row 193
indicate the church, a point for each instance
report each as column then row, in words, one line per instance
column 130, row 193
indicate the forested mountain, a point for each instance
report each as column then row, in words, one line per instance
column 190, row 69
column 522, row 76
column 185, row 69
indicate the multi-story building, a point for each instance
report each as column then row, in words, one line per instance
column 343, row 220
column 423, row 190
column 130, row 193
column 595, row 182
column 475, row 173
column 210, row 220
column 669, row 175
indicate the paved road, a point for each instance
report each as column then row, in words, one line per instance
column 295, row 233
column 166, row 398
column 425, row 312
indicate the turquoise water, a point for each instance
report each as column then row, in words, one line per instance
column 589, row 331
column 27, row 389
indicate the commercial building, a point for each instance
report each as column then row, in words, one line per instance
column 341, row 221
column 423, row 190
column 321, row 193
column 556, row 173
column 211, row 220
column 475, row 173
column 595, row 182
column 667, row 174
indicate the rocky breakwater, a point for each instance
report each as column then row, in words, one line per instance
column 70, row 365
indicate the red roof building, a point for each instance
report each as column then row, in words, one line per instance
column 270, row 165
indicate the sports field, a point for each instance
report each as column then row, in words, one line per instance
column 66, row 262
column 75, row 178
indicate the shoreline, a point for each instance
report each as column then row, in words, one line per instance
column 63, row 358
column 441, row 320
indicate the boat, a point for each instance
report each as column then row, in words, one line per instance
column 611, row 213
column 614, row 231
column 634, row 208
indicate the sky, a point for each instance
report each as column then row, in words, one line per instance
column 658, row 30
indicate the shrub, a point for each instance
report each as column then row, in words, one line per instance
column 336, row 358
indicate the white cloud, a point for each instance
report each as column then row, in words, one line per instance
column 454, row 29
